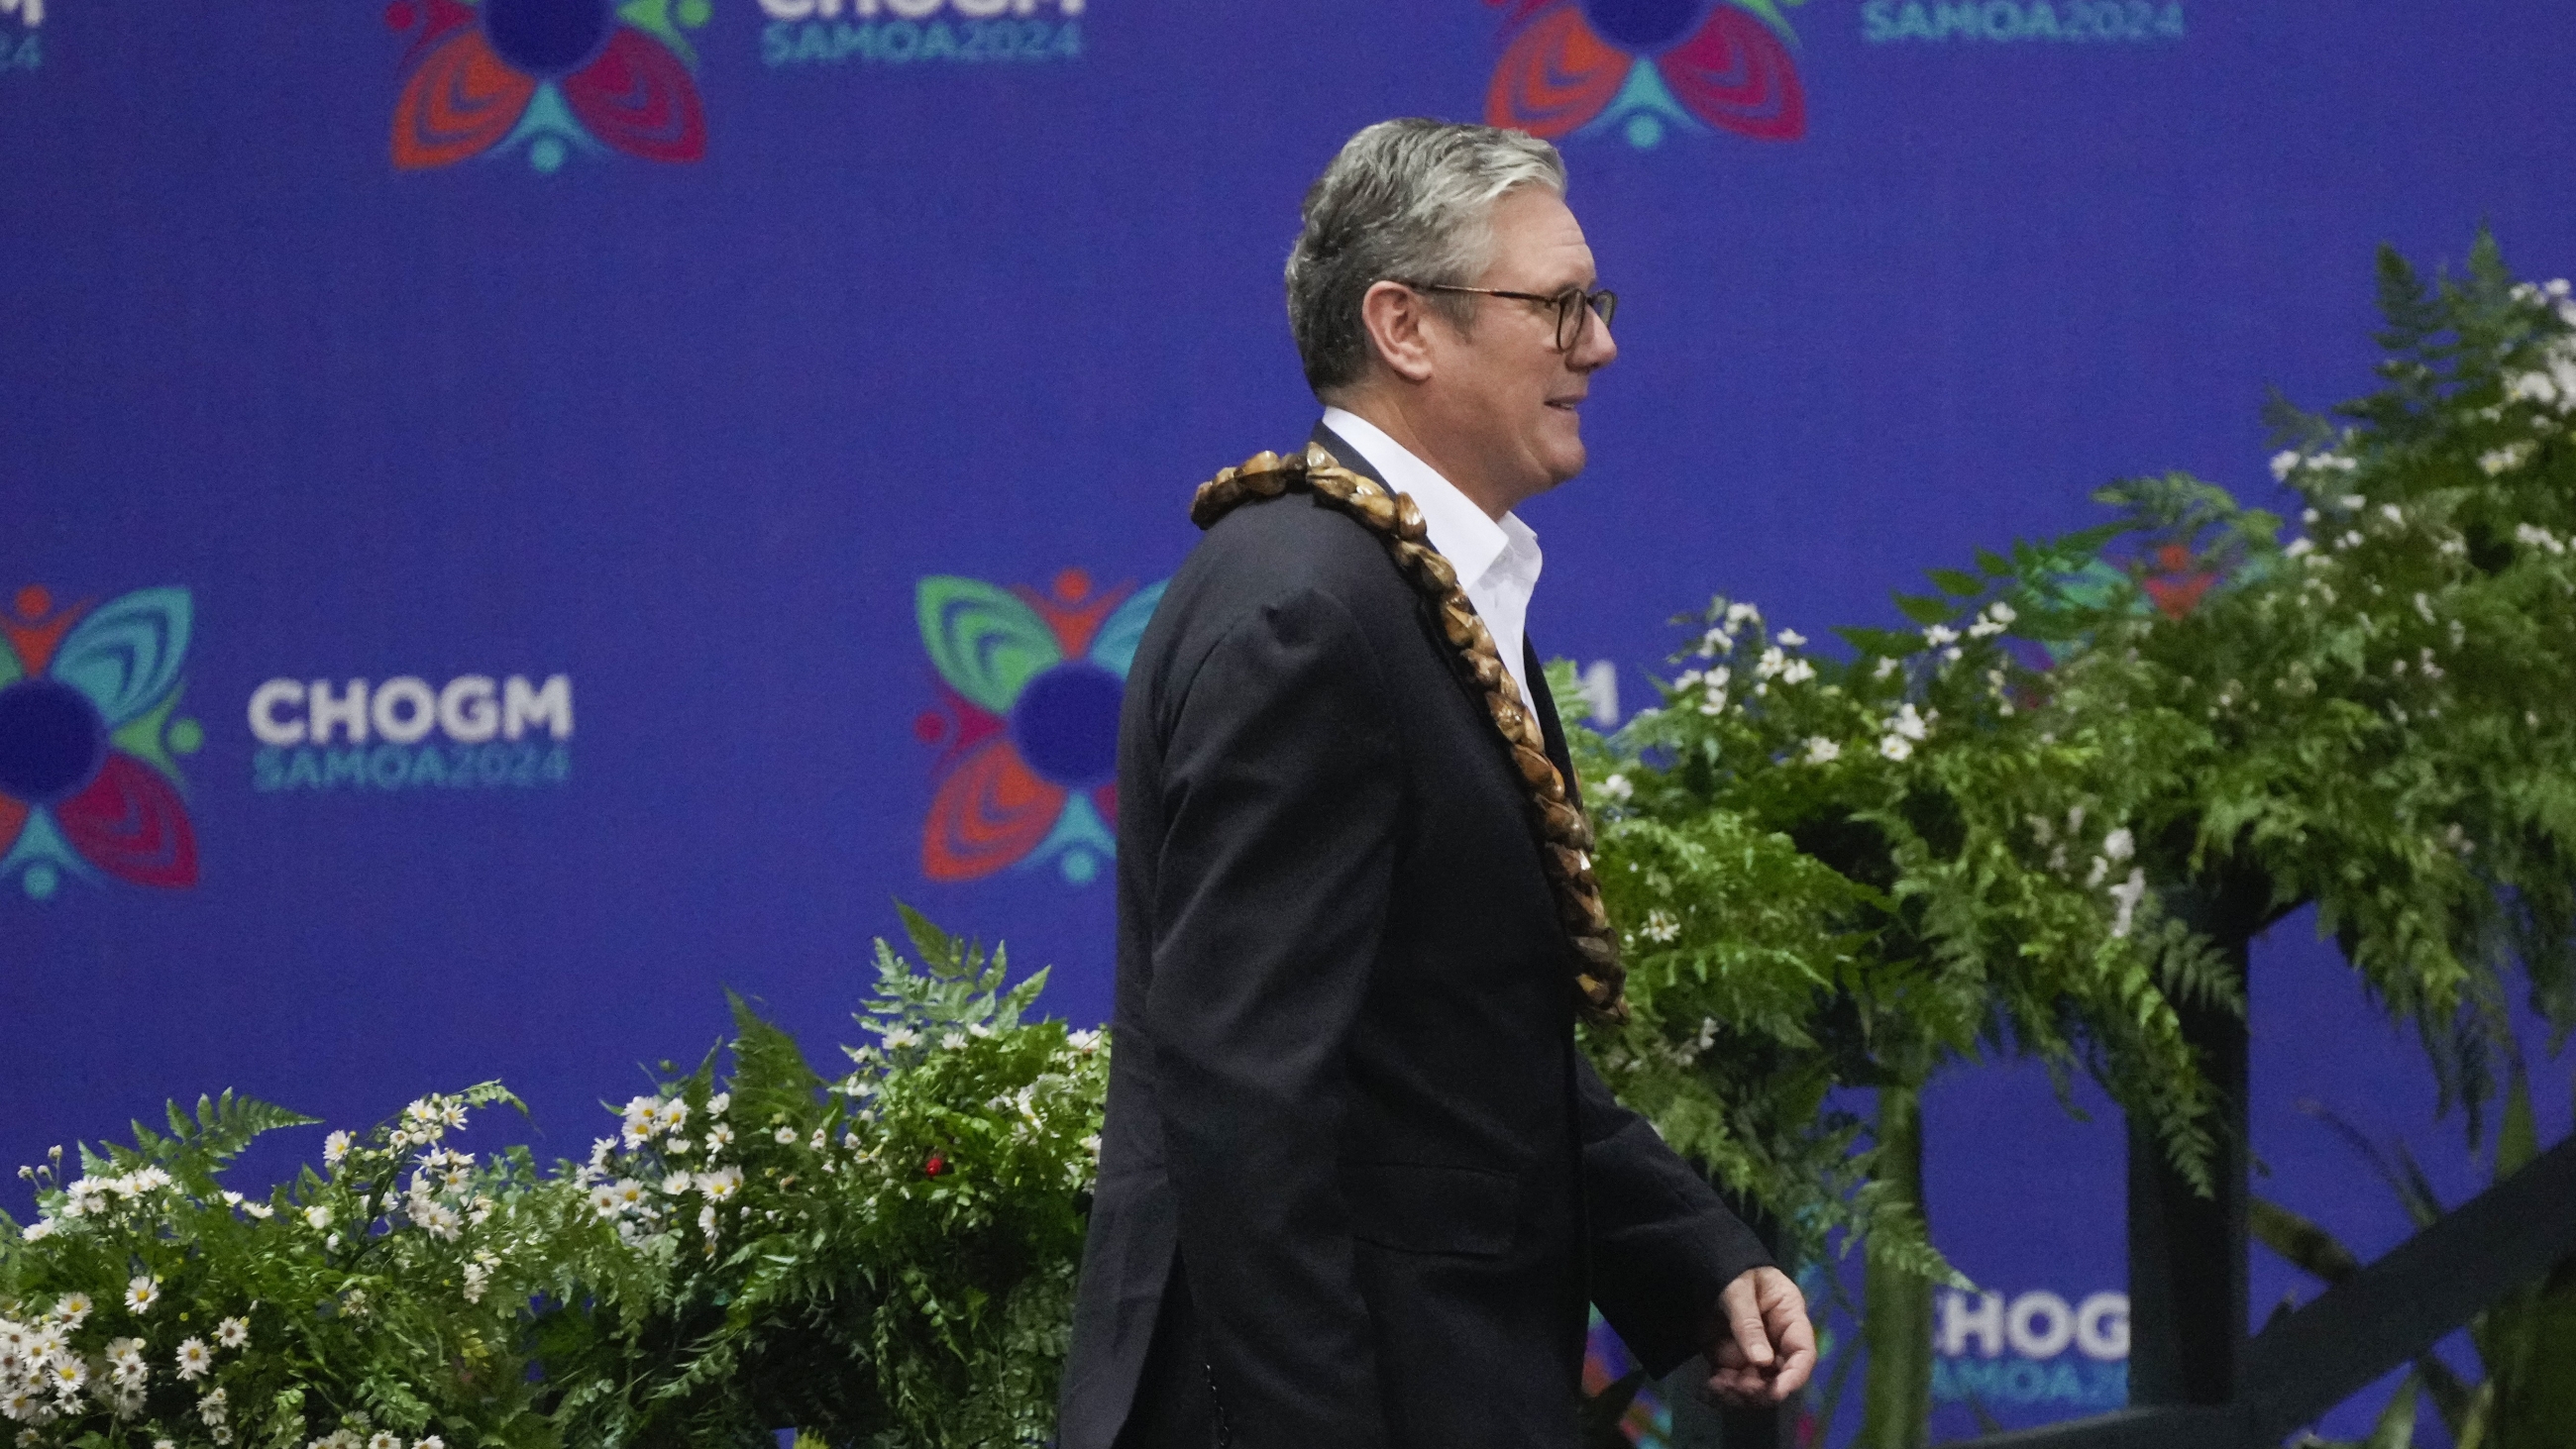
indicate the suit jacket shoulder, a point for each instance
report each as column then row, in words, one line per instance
column 1291, row 552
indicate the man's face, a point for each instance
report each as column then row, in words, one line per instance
column 1509, row 394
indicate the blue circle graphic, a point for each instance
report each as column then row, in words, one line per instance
column 1066, row 724
column 546, row 37
column 1642, row 27
column 52, row 741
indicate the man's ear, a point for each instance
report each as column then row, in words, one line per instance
column 1398, row 319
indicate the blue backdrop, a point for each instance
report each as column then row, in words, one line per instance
column 641, row 401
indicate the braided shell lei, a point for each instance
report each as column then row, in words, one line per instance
column 1565, row 838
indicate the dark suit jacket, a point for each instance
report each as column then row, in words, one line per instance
column 1348, row 1127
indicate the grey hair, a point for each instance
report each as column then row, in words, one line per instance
column 1409, row 200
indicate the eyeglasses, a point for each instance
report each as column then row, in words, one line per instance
column 1570, row 304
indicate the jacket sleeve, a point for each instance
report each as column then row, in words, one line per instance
column 1281, row 790
column 1663, row 1246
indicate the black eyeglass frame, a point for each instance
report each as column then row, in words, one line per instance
column 1570, row 304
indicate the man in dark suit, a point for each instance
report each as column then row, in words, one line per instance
column 1357, row 1183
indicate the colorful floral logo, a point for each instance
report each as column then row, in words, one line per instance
column 1031, row 685
column 87, row 782
column 1638, row 68
column 548, row 76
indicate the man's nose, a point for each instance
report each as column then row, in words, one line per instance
column 1596, row 347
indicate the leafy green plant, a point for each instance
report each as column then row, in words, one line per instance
column 2046, row 819
column 882, row 1258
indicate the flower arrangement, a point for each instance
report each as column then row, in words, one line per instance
column 2045, row 819
column 885, row 1257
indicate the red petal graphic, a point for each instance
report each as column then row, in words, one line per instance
column 442, row 17
column 1736, row 75
column 1554, row 76
column 991, row 813
column 637, row 97
column 131, row 824
column 13, row 818
column 462, row 99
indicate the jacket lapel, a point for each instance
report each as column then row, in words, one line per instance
column 1551, row 730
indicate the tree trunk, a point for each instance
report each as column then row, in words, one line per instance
column 1896, row 1306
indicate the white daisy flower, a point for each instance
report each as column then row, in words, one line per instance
column 232, row 1332
column 142, row 1293
column 195, row 1358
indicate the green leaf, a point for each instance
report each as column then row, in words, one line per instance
column 2395, row 1428
column 1924, row 608
column 2300, row 1242
column 1886, row 643
column 2518, row 1135
column 1957, row 581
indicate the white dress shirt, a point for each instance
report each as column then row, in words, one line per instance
column 1497, row 563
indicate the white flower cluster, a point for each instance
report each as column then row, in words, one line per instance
column 90, row 1197
column 2291, row 460
column 641, row 1210
column 2498, row 461
column 2119, row 847
column 1710, row 683
column 426, row 1121
column 44, row 1376
column 1776, row 663
column 2553, row 383
column 1688, row 1051
column 440, row 1200
column 1904, row 730
column 1731, row 618
column 2532, row 535
column 353, row 1433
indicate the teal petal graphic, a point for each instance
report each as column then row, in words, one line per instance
column 126, row 656
column 985, row 641
column 1080, row 842
column 1643, row 110
column 549, row 131
column 1114, row 648
column 41, row 858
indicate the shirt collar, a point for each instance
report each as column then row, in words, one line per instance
column 1472, row 542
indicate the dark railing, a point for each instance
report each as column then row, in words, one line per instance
column 2196, row 1381
column 2307, row 1361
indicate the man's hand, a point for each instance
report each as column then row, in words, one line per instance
column 1763, row 1348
